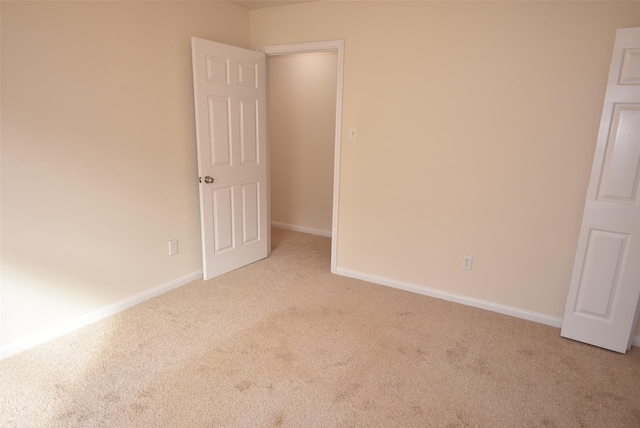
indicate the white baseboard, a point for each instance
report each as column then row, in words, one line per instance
column 325, row 233
column 91, row 317
column 468, row 301
column 84, row 320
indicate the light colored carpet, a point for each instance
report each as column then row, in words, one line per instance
column 283, row 342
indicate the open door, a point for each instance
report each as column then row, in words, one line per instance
column 602, row 306
column 230, row 106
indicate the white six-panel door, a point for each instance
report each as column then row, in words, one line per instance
column 230, row 107
column 602, row 305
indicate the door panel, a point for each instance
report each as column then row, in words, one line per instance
column 630, row 70
column 220, row 130
column 250, row 212
column 601, row 273
column 223, row 217
column 249, row 131
column 217, row 69
column 619, row 181
column 230, row 103
column 602, row 305
column 248, row 74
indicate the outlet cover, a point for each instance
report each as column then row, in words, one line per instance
column 467, row 262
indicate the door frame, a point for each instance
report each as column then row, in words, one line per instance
column 302, row 48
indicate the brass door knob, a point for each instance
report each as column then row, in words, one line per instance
column 208, row 179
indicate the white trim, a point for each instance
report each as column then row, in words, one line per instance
column 84, row 320
column 91, row 317
column 468, row 301
column 312, row 231
column 326, row 46
column 295, row 48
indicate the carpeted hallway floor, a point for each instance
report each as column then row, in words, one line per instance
column 283, row 342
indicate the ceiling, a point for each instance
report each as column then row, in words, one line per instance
column 259, row 4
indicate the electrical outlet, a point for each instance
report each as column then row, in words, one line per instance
column 173, row 247
column 467, row 262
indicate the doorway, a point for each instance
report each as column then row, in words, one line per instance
column 305, row 137
column 301, row 106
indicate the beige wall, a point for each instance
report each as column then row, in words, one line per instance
column 302, row 112
column 477, row 125
column 477, row 128
column 98, row 152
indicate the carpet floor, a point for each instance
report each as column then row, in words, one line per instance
column 283, row 342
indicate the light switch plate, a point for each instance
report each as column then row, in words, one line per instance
column 173, row 247
column 353, row 133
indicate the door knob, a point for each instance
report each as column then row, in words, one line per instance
column 208, row 179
